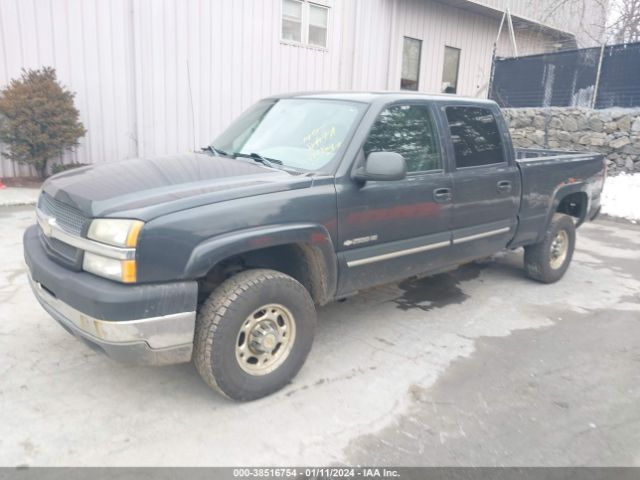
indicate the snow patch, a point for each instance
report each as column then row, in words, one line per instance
column 621, row 196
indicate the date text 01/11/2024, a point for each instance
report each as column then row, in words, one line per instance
column 315, row 472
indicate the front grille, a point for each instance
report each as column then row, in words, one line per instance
column 69, row 252
column 69, row 218
column 62, row 253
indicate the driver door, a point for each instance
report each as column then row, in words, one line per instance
column 390, row 230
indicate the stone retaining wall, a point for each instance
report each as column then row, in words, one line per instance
column 613, row 132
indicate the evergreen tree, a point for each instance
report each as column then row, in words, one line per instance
column 38, row 120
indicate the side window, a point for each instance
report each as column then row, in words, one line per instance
column 475, row 135
column 407, row 130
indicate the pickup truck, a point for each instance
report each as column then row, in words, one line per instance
column 221, row 256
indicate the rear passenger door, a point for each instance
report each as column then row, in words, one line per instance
column 486, row 182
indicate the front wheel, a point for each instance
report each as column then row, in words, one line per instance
column 548, row 260
column 254, row 333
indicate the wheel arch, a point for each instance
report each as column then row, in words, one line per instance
column 303, row 251
column 570, row 199
column 574, row 204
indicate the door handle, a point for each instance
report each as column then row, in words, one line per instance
column 442, row 195
column 504, row 186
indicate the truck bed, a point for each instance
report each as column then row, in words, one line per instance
column 543, row 173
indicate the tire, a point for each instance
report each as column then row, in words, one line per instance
column 545, row 261
column 241, row 348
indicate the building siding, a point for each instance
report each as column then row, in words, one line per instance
column 135, row 65
column 585, row 18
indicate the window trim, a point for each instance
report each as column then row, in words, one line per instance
column 404, row 37
column 305, row 24
column 434, row 124
column 505, row 155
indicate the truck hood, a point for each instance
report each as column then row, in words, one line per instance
column 147, row 188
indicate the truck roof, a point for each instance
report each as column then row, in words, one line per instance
column 384, row 96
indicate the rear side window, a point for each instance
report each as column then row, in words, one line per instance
column 475, row 135
column 407, row 130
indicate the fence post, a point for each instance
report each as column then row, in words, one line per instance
column 594, row 98
column 512, row 32
column 491, row 74
column 494, row 56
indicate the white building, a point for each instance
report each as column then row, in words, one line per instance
column 161, row 76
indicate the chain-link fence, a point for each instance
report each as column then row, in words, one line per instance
column 592, row 77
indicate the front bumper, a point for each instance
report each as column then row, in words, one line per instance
column 142, row 324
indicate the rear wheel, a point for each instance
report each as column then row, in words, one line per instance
column 253, row 334
column 548, row 260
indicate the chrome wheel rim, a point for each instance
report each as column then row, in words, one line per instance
column 559, row 249
column 265, row 339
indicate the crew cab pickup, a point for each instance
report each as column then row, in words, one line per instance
column 221, row 256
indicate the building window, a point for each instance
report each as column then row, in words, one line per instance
column 475, row 136
column 305, row 23
column 292, row 20
column 411, row 50
column 450, row 71
column 318, row 25
column 409, row 131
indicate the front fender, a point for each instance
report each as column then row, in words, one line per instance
column 212, row 251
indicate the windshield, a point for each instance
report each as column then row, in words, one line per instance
column 301, row 133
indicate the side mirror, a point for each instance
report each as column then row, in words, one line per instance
column 382, row 166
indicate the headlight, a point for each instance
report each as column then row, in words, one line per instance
column 115, row 231
column 119, row 270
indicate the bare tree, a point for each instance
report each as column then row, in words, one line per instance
column 619, row 23
column 592, row 26
column 625, row 21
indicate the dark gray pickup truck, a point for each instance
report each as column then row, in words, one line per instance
column 221, row 256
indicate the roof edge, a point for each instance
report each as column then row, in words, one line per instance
column 478, row 7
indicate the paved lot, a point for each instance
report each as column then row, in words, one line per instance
column 12, row 196
column 477, row 367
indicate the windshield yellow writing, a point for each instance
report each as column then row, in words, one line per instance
column 319, row 140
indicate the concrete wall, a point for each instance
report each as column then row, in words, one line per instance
column 613, row 132
column 135, row 64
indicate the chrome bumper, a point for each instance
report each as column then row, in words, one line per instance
column 160, row 340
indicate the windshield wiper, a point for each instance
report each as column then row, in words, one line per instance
column 269, row 162
column 216, row 151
